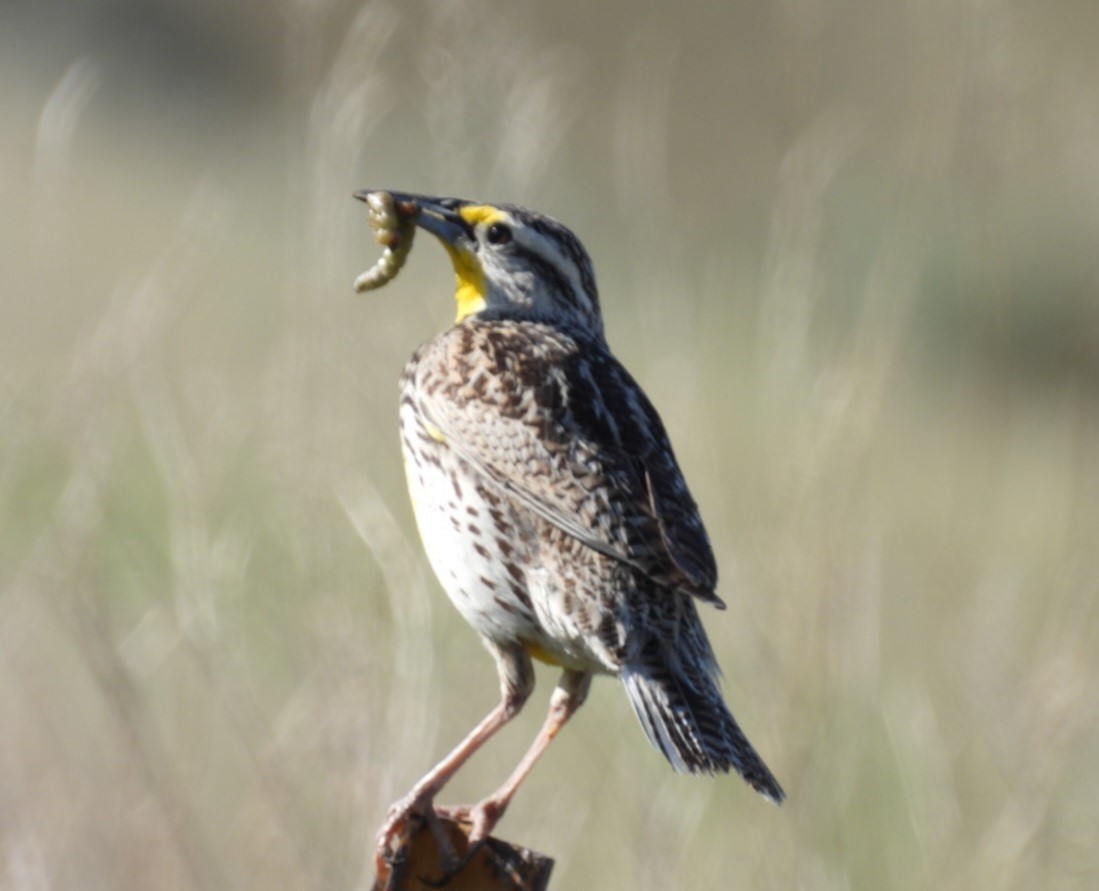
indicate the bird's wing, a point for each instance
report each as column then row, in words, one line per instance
column 560, row 426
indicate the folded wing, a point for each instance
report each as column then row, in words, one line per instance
column 561, row 427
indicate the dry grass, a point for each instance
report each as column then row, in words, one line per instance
column 848, row 249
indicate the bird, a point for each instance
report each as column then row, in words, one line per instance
column 552, row 508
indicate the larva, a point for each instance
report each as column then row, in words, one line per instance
column 393, row 233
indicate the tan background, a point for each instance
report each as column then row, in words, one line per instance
column 850, row 249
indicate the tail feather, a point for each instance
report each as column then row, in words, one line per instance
column 685, row 717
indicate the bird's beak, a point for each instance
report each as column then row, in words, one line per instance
column 439, row 216
column 443, row 218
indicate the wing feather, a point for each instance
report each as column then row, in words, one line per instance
column 553, row 420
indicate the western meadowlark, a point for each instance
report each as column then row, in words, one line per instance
column 550, row 502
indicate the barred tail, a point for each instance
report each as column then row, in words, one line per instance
column 685, row 718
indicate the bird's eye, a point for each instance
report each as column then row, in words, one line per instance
column 498, row 234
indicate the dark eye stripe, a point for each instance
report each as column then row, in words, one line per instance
column 550, row 274
column 561, row 236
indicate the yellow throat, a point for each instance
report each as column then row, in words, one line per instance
column 469, row 291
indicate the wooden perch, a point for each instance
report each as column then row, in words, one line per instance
column 495, row 866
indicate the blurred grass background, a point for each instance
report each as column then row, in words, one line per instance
column 849, row 249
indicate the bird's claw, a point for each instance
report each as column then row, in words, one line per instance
column 404, row 820
column 392, row 841
column 481, row 817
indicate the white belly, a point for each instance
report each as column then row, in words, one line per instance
column 486, row 554
column 462, row 542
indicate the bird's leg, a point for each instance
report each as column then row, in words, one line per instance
column 516, row 683
column 567, row 697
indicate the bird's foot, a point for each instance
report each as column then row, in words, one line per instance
column 406, row 816
column 403, row 820
column 392, row 841
column 481, row 817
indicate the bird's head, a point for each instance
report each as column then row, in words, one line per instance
column 509, row 260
